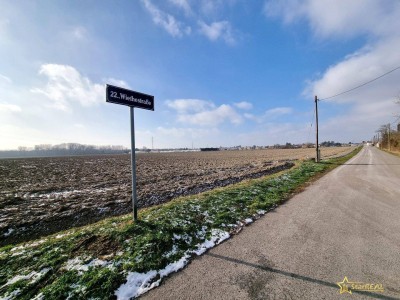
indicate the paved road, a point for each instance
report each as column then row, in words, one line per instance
column 345, row 224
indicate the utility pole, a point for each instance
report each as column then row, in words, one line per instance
column 317, row 157
column 389, row 136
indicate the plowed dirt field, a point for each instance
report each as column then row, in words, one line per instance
column 39, row 196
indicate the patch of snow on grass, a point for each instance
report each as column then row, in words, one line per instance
column 217, row 236
column 39, row 296
column 103, row 209
column 76, row 289
column 261, row 212
column 77, row 264
column 9, row 232
column 139, row 283
column 59, row 236
column 18, row 253
column 34, row 244
column 173, row 251
column 17, row 248
column 175, row 266
column 177, row 237
column 11, row 295
column 32, row 276
column 248, row 221
column 65, row 194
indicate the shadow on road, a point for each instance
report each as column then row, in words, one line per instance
column 296, row 276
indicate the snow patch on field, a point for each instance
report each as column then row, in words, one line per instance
column 11, row 295
column 39, row 297
column 77, row 264
column 9, row 232
column 139, row 283
column 32, row 276
column 59, row 236
column 34, row 244
column 65, row 194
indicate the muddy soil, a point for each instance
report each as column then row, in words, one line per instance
column 40, row 196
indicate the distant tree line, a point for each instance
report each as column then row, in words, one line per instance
column 331, row 144
column 65, row 149
column 307, row 145
column 388, row 137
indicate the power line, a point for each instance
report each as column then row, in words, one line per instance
column 361, row 85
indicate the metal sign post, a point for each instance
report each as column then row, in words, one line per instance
column 133, row 162
column 132, row 99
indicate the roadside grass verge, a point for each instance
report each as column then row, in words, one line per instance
column 119, row 258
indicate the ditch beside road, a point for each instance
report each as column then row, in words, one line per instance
column 345, row 224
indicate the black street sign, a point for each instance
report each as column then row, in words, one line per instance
column 130, row 98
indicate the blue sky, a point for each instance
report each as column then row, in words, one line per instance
column 223, row 72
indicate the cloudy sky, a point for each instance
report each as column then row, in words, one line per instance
column 223, row 72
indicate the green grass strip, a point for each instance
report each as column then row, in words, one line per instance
column 94, row 261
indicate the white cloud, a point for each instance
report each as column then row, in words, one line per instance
column 79, row 126
column 270, row 114
column 4, row 24
column 13, row 136
column 378, row 22
column 181, row 136
column 193, row 17
column 4, row 107
column 278, row 111
column 253, row 117
column 203, row 113
column 5, row 79
column 208, row 6
column 30, row 118
column 273, row 133
column 66, row 85
column 189, row 105
column 214, row 7
column 165, row 20
column 217, row 30
column 358, row 68
column 244, row 105
column 340, row 19
column 352, row 126
column 117, row 82
column 79, row 33
column 212, row 117
column 182, row 4
column 184, row 132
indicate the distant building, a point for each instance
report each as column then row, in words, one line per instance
column 209, row 149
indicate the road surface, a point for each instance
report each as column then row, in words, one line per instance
column 345, row 224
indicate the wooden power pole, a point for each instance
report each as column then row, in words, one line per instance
column 317, row 156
